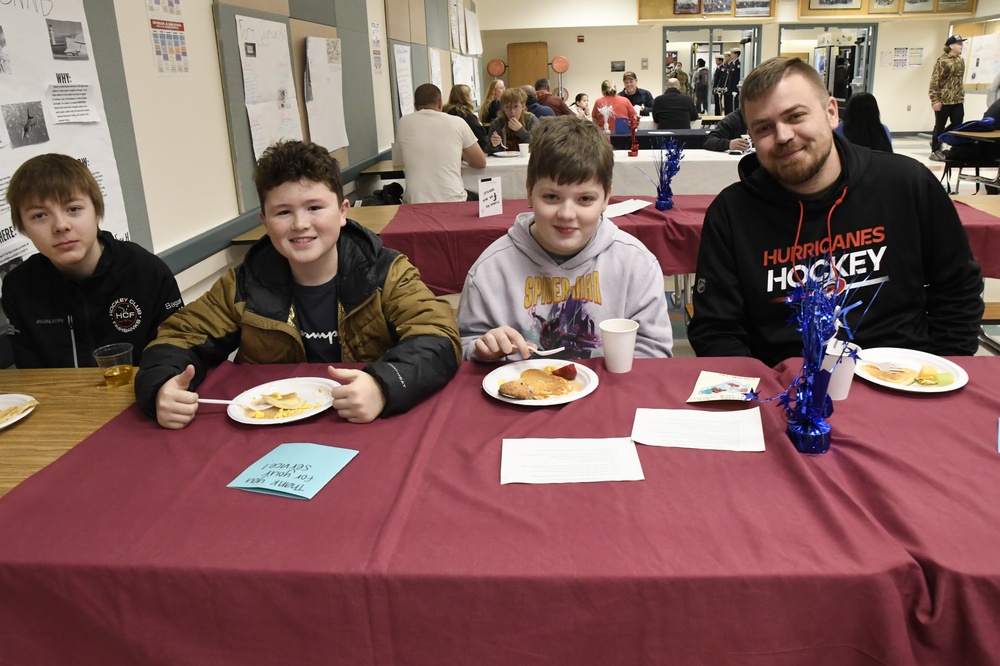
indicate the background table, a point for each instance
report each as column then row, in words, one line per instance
column 130, row 549
column 73, row 403
column 444, row 240
column 702, row 172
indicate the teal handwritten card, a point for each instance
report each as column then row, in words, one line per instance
column 297, row 470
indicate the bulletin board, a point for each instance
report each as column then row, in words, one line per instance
column 981, row 52
column 234, row 94
column 305, row 18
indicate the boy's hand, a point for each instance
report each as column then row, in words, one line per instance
column 514, row 124
column 359, row 398
column 175, row 404
column 495, row 139
column 500, row 342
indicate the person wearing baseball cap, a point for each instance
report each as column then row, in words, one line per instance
column 947, row 92
column 641, row 99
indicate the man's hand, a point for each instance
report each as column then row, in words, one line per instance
column 514, row 124
column 495, row 140
column 936, row 106
column 175, row 404
column 359, row 398
column 500, row 342
column 739, row 143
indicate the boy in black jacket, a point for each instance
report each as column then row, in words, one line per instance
column 84, row 289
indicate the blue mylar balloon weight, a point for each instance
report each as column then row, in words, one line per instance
column 810, row 437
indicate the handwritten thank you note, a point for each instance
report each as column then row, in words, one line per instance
column 294, row 470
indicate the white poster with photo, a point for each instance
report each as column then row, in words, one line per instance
column 324, row 90
column 404, row 78
column 50, row 102
column 269, row 89
column 978, row 56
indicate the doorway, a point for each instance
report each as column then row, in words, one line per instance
column 842, row 54
column 688, row 46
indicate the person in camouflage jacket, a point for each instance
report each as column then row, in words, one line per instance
column 947, row 92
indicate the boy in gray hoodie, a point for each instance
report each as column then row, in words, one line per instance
column 565, row 267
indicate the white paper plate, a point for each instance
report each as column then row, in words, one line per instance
column 314, row 390
column 508, row 153
column 585, row 378
column 910, row 358
column 12, row 400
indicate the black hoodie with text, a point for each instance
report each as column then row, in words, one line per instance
column 897, row 245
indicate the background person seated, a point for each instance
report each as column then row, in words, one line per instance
column 433, row 145
column 673, row 109
column 554, row 102
column 640, row 98
column 514, row 124
column 460, row 104
column 620, row 106
column 862, row 123
column 531, row 103
column 728, row 134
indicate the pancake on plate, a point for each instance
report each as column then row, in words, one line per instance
column 903, row 376
column 6, row 414
column 536, row 384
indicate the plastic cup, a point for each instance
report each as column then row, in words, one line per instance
column 618, row 339
column 842, row 375
column 115, row 362
column 523, row 147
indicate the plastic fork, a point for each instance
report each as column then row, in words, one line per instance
column 547, row 352
column 885, row 366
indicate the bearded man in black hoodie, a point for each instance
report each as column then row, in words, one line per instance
column 877, row 225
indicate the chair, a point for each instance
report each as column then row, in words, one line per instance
column 979, row 180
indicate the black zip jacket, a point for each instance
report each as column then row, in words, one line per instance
column 896, row 240
column 57, row 322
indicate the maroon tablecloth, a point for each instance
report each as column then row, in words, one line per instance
column 443, row 240
column 130, row 548
column 984, row 237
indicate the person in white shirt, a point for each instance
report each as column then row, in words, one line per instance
column 433, row 146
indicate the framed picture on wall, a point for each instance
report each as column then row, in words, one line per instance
column 883, row 6
column 617, row 65
column 834, row 4
column 717, row 7
column 753, row 7
column 954, row 5
column 687, row 6
column 918, row 5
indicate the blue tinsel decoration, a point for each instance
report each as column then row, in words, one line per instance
column 819, row 312
column 667, row 160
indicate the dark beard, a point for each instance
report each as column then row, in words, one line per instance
column 794, row 175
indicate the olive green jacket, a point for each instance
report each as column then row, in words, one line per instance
column 387, row 318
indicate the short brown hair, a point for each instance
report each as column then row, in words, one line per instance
column 292, row 161
column 570, row 149
column 426, row 94
column 767, row 75
column 51, row 177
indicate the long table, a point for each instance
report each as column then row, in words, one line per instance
column 702, row 172
column 444, row 240
column 130, row 548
